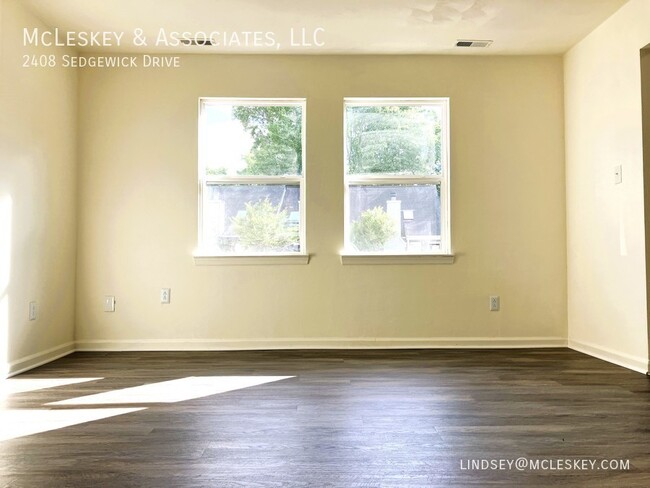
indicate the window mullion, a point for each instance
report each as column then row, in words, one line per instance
column 257, row 180
column 388, row 180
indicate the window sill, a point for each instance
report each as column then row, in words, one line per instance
column 255, row 259
column 397, row 258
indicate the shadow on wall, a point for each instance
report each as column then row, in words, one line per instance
column 645, row 95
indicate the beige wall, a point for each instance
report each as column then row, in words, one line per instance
column 606, row 250
column 37, row 200
column 138, row 209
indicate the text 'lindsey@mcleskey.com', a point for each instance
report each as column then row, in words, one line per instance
column 544, row 464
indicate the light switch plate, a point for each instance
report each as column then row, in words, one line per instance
column 33, row 311
column 109, row 304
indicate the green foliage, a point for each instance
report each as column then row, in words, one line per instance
column 215, row 171
column 277, row 139
column 373, row 229
column 264, row 228
column 393, row 139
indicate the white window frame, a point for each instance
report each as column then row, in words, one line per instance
column 445, row 253
column 206, row 255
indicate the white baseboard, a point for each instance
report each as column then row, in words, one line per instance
column 634, row 363
column 35, row 360
column 321, row 343
column 642, row 365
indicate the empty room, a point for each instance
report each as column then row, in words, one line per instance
column 387, row 243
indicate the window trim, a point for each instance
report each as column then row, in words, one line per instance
column 204, row 255
column 251, row 259
column 348, row 255
column 410, row 258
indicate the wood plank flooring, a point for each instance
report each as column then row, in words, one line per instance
column 350, row 419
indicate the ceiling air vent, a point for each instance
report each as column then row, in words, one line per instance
column 198, row 41
column 470, row 43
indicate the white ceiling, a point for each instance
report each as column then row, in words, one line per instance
column 351, row 26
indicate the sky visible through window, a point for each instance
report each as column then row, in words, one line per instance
column 226, row 143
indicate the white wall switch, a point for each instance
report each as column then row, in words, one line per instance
column 33, row 311
column 109, row 304
column 495, row 304
column 618, row 174
column 165, row 295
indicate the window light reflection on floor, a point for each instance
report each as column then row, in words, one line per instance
column 172, row 391
column 23, row 385
column 16, row 423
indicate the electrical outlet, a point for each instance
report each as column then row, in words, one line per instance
column 109, row 304
column 33, row 311
column 495, row 303
column 165, row 295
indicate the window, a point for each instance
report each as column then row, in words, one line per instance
column 397, row 176
column 251, row 171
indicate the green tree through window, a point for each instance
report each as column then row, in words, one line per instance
column 393, row 139
column 277, row 139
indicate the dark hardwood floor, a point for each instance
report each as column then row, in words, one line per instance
column 348, row 419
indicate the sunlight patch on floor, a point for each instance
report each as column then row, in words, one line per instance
column 16, row 423
column 22, row 385
column 172, row 391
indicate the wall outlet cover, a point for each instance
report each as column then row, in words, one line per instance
column 165, row 295
column 618, row 174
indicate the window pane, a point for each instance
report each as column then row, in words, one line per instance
column 394, row 139
column 252, row 218
column 240, row 140
column 394, row 218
